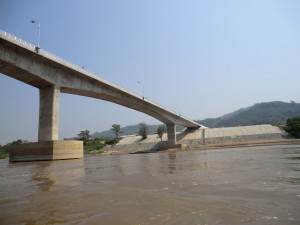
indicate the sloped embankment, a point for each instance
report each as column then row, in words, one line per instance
column 202, row 138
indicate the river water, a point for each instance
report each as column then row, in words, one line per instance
column 254, row 185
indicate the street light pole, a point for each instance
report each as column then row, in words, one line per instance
column 142, row 87
column 39, row 34
column 179, row 111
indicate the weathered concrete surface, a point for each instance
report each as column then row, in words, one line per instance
column 46, row 150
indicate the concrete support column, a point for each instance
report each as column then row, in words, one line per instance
column 203, row 136
column 49, row 110
column 171, row 130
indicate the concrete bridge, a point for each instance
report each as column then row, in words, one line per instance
column 53, row 75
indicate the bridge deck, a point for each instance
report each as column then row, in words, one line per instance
column 41, row 69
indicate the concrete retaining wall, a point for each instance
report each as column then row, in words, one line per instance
column 135, row 147
column 244, row 138
column 200, row 137
column 242, row 131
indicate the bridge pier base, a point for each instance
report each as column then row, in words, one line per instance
column 46, row 150
column 171, row 131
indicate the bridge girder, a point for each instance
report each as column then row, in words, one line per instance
column 43, row 71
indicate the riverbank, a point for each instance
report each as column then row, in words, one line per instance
column 244, row 144
column 189, row 140
column 128, row 150
column 209, row 146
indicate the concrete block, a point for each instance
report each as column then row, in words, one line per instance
column 46, row 150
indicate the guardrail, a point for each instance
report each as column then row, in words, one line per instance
column 46, row 53
column 60, row 60
column 16, row 38
column 76, row 67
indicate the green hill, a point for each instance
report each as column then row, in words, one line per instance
column 275, row 113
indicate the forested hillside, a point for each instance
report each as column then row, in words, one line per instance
column 275, row 113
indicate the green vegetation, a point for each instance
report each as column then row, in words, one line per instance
column 116, row 129
column 143, row 131
column 293, row 126
column 160, row 131
column 94, row 146
column 4, row 149
column 84, row 136
column 275, row 113
column 3, row 152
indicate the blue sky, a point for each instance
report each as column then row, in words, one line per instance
column 200, row 58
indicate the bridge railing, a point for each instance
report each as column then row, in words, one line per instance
column 76, row 67
column 44, row 52
column 16, row 38
column 59, row 59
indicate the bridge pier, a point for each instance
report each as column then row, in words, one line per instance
column 171, row 131
column 48, row 147
column 172, row 139
column 49, row 112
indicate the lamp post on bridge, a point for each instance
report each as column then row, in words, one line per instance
column 177, row 105
column 39, row 33
column 141, row 83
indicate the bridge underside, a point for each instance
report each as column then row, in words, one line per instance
column 52, row 76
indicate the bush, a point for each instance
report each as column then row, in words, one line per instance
column 95, row 146
column 4, row 149
column 3, row 152
column 111, row 141
column 293, row 127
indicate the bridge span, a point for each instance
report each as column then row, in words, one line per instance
column 53, row 75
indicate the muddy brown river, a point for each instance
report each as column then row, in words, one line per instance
column 254, row 185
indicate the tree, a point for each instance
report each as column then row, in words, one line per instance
column 84, row 136
column 17, row 142
column 116, row 129
column 160, row 131
column 143, row 130
column 293, row 126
